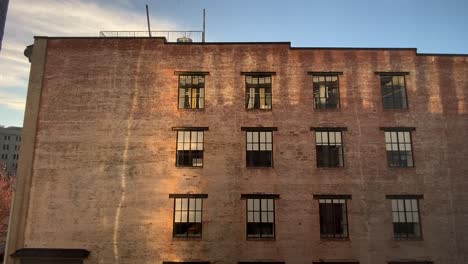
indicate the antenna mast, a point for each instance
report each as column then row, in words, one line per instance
column 147, row 19
column 203, row 33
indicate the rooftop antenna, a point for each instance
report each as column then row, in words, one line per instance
column 147, row 19
column 203, row 33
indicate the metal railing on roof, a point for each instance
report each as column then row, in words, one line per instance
column 170, row 35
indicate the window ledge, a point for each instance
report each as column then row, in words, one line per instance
column 327, row 109
column 333, row 239
column 330, row 168
column 403, row 239
column 395, row 110
column 261, row 239
column 186, row 239
column 192, row 109
column 401, row 168
column 259, row 110
column 261, row 168
column 189, row 167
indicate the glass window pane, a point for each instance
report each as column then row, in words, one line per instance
column 270, row 205
column 177, row 216
column 318, row 137
column 264, row 217
column 401, row 137
column 178, row 203
column 186, row 136
column 268, row 147
column 407, row 205
column 387, row 137
column 262, row 137
column 184, row 216
column 324, row 137
column 249, row 204
column 180, row 136
column 254, row 137
column 394, row 206
column 198, row 217
column 250, row 217
column 415, row 217
column 249, row 136
column 184, row 203
column 409, row 217
column 268, row 136
column 180, row 146
column 338, row 137
column 200, row 146
column 400, row 205
column 271, row 217
column 395, row 217
column 256, row 217
column 407, row 137
column 191, row 216
column 256, row 204
column 264, row 204
column 393, row 136
column 200, row 136
column 414, row 204
column 192, row 203
column 402, row 217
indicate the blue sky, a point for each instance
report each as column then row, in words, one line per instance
column 432, row 26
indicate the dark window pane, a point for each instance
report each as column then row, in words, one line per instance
column 259, row 158
column 333, row 222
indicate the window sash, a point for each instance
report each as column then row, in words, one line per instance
column 406, row 218
column 329, row 148
column 260, row 218
column 399, row 149
column 187, row 220
column 190, row 148
column 259, row 148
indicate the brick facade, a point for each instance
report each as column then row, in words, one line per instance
column 103, row 153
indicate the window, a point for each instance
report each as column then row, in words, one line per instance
column 259, row 148
column 329, row 147
column 393, row 91
column 188, row 215
column 326, row 91
column 191, row 91
column 260, row 216
column 258, row 91
column 189, row 148
column 405, row 214
column 398, row 146
column 333, row 216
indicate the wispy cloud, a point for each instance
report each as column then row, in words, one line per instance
column 28, row 18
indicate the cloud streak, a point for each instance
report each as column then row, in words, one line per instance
column 26, row 19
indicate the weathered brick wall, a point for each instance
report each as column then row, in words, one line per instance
column 105, row 153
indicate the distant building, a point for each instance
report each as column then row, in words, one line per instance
column 139, row 150
column 3, row 14
column 10, row 139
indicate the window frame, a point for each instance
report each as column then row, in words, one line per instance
column 396, row 130
column 189, row 129
column 326, row 74
column 261, row 197
column 257, row 87
column 189, row 73
column 392, row 74
column 332, row 197
column 405, row 197
column 259, row 129
column 201, row 197
column 328, row 130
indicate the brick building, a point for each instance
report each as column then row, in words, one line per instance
column 10, row 141
column 136, row 150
